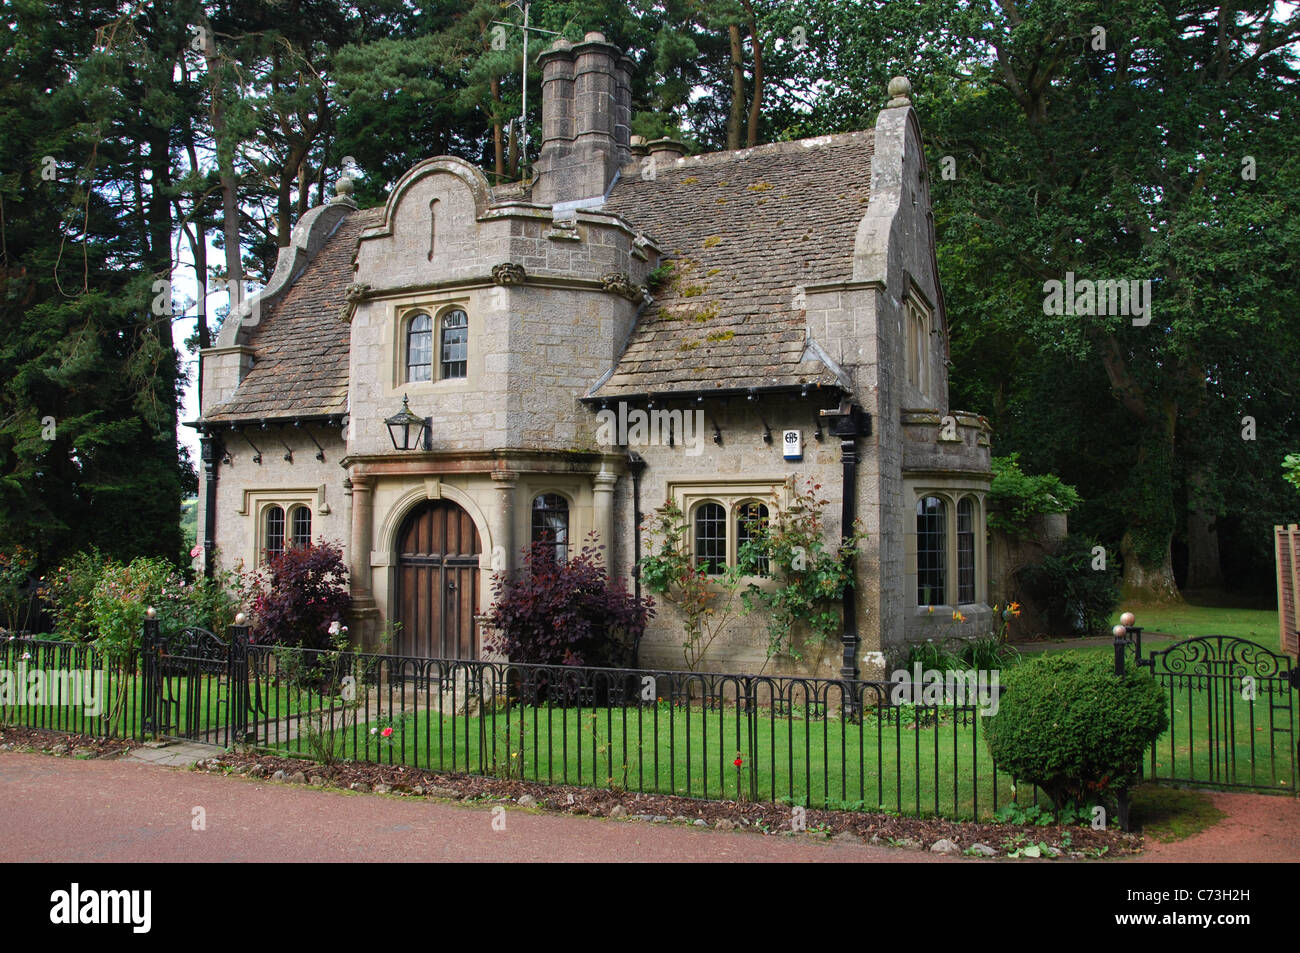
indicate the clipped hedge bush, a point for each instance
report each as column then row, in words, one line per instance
column 1067, row 723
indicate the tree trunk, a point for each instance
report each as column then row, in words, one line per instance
column 756, row 99
column 737, row 118
column 498, row 144
column 226, row 174
column 1204, row 570
column 1147, row 585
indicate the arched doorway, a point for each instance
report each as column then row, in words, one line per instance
column 437, row 582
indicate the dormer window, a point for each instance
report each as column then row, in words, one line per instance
column 455, row 344
column 419, row 347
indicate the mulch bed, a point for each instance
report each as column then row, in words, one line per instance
column 776, row 819
column 60, row 743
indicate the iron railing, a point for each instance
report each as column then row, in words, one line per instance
column 812, row 742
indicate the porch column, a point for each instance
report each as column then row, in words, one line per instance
column 603, row 488
column 363, row 510
column 502, row 521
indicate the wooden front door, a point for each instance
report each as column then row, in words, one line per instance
column 437, row 583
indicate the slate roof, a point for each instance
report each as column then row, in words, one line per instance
column 300, row 347
column 743, row 230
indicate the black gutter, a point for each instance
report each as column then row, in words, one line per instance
column 636, row 464
column 210, row 452
column 804, row 390
column 849, row 422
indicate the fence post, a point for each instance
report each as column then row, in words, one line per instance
column 237, row 679
column 151, row 650
column 1120, row 643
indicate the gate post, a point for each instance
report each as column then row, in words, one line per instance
column 1120, row 643
column 151, row 669
column 237, row 678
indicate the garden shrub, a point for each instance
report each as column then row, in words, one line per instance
column 303, row 591
column 1072, row 595
column 67, row 591
column 1017, row 498
column 565, row 612
column 1067, row 723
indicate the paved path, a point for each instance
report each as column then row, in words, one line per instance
column 1258, row 827
column 61, row 809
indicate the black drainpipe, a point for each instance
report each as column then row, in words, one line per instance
column 209, row 451
column 849, row 422
column 636, row 464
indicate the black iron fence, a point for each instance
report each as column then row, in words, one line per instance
column 805, row 741
column 802, row 741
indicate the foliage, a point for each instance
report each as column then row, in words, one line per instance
column 301, row 593
column 807, row 578
column 16, row 591
column 68, row 590
column 565, row 612
column 1016, row 498
column 1067, row 723
column 707, row 603
column 1074, row 597
column 1291, row 469
column 121, row 596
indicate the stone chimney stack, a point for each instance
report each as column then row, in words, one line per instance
column 586, row 119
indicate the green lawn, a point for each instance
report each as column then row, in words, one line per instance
column 932, row 769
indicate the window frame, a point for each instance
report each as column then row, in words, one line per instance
column 917, row 324
column 291, row 526
column 265, row 553
column 561, row 547
column 941, row 534
column 967, row 501
column 408, row 322
column 719, row 564
column 463, row 361
column 953, row 497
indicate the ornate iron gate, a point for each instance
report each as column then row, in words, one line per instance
column 1232, row 714
column 197, row 686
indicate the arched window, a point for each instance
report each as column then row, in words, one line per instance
column 751, row 524
column 711, row 538
column 965, row 550
column 419, row 348
column 931, row 551
column 300, row 526
column 273, row 534
column 455, row 343
column 551, row 523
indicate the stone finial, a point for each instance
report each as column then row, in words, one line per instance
column 561, row 44
column 343, row 191
column 593, row 37
column 900, row 91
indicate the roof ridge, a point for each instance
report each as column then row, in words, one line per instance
column 767, row 148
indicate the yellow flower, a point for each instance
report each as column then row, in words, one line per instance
column 929, row 608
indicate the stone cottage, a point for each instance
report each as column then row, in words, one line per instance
column 435, row 383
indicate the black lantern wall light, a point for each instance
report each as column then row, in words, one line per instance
column 409, row 431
